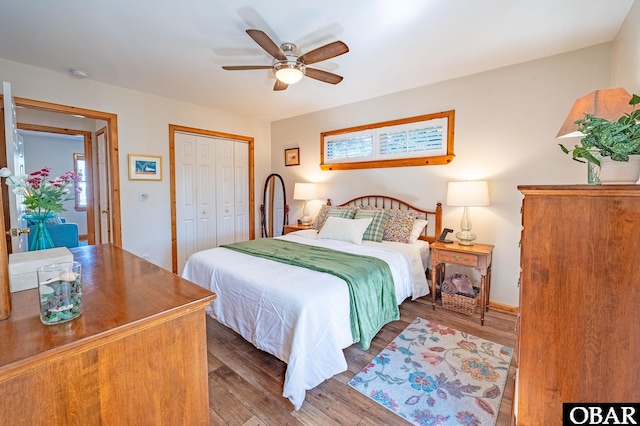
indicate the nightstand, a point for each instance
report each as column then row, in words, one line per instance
column 477, row 256
column 296, row 227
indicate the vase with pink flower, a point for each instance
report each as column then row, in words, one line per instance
column 43, row 198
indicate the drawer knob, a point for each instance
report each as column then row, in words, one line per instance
column 457, row 258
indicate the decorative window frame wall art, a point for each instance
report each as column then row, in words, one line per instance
column 292, row 157
column 145, row 167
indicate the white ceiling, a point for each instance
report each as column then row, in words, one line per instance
column 176, row 49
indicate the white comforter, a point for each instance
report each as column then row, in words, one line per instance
column 298, row 315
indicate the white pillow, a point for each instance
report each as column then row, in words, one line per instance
column 350, row 230
column 418, row 227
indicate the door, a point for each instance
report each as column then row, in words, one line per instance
column 102, row 188
column 186, row 208
column 241, row 190
column 225, row 191
column 212, row 190
column 195, row 195
column 206, row 193
column 212, row 200
column 15, row 162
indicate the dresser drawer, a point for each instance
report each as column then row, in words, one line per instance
column 458, row 258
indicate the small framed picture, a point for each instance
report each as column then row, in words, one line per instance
column 292, row 157
column 145, row 167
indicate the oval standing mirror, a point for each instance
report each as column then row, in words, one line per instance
column 274, row 209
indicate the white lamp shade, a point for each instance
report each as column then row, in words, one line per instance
column 305, row 191
column 468, row 193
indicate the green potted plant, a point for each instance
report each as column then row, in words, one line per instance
column 608, row 141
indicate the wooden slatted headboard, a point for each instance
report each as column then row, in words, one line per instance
column 434, row 217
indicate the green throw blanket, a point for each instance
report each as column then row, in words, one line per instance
column 371, row 290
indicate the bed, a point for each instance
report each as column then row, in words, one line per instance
column 303, row 316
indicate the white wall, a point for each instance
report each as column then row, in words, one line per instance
column 506, row 122
column 626, row 52
column 143, row 128
column 56, row 153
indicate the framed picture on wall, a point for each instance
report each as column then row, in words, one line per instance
column 145, row 167
column 292, row 157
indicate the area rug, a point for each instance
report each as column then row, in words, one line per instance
column 431, row 374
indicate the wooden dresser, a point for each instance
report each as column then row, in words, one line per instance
column 579, row 319
column 137, row 355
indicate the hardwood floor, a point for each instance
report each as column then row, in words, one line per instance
column 245, row 384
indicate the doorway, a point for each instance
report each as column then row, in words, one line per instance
column 63, row 139
column 111, row 162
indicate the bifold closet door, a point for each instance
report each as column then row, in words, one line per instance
column 206, row 193
column 212, row 193
column 232, row 191
column 195, row 195
column 225, row 197
column 241, row 190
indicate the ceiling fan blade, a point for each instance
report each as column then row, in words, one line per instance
column 267, row 44
column 246, row 67
column 323, row 76
column 280, row 85
column 327, row 51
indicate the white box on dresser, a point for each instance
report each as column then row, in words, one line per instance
column 23, row 266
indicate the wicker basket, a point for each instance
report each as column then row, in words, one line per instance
column 458, row 303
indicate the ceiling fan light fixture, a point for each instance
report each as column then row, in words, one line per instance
column 288, row 66
column 289, row 72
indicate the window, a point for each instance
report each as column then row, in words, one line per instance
column 81, row 184
column 415, row 141
column 351, row 147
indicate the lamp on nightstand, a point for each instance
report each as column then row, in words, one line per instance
column 306, row 192
column 467, row 194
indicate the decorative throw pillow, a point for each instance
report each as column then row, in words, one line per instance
column 326, row 211
column 321, row 217
column 399, row 225
column 338, row 228
column 418, row 227
column 343, row 212
column 379, row 220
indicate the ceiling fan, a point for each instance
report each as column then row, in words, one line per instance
column 288, row 66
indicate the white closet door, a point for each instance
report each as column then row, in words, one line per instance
column 206, row 192
column 225, row 197
column 195, row 195
column 186, row 201
column 212, row 193
column 241, row 191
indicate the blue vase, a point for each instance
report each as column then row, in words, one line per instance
column 41, row 239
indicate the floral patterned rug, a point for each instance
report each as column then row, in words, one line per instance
column 431, row 374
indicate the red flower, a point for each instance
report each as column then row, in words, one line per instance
column 468, row 346
column 440, row 329
column 431, row 358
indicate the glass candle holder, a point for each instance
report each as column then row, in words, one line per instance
column 60, row 288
